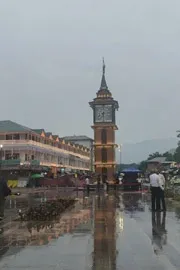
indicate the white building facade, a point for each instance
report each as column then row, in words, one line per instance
column 86, row 142
column 35, row 146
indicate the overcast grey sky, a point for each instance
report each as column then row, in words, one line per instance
column 50, row 64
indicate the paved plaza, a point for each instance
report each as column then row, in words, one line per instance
column 115, row 231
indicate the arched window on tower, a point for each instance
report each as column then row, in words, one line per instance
column 104, row 155
column 104, row 136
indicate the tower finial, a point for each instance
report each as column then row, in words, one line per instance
column 104, row 67
column 103, row 80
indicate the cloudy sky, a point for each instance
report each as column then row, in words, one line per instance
column 51, row 56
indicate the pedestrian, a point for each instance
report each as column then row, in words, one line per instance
column 120, row 180
column 139, row 180
column 107, row 186
column 4, row 192
column 117, row 183
column 87, row 185
column 155, row 191
column 105, row 183
column 98, row 183
column 161, row 191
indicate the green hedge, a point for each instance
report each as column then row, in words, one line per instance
column 170, row 194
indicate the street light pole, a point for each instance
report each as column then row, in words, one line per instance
column 1, row 151
column 92, row 156
column 120, row 154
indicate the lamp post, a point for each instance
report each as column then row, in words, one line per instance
column 92, row 156
column 1, row 151
column 120, row 154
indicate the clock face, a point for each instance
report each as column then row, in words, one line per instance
column 99, row 113
column 108, row 113
column 103, row 113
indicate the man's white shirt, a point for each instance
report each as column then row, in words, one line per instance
column 162, row 181
column 87, row 181
column 154, row 180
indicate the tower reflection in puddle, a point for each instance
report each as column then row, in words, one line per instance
column 104, row 256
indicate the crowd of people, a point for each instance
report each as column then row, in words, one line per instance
column 98, row 182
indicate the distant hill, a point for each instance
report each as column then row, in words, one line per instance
column 140, row 151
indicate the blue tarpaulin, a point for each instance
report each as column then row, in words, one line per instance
column 131, row 170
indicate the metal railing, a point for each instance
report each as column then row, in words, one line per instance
column 25, row 143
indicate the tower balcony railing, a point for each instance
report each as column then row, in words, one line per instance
column 105, row 163
column 106, row 145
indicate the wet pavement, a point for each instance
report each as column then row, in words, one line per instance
column 100, row 233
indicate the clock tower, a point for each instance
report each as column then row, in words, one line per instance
column 104, row 112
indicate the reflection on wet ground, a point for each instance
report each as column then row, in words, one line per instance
column 101, row 232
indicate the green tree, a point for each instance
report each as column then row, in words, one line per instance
column 143, row 166
column 154, row 155
column 177, row 153
column 169, row 156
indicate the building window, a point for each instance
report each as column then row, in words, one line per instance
column 9, row 137
column 104, row 136
column 9, row 156
column 16, row 156
column 16, row 136
column 104, row 155
column 12, row 137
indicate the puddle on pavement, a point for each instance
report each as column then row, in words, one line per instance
column 106, row 232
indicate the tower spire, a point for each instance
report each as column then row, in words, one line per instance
column 104, row 66
column 103, row 80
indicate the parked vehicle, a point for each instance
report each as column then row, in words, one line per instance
column 130, row 179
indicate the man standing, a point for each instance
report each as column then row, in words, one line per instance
column 161, row 191
column 87, row 185
column 155, row 191
column 98, row 183
column 4, row 192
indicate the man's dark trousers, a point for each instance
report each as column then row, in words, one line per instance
column 162, row 199
column 155, row 194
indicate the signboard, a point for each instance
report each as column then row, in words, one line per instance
column 35, row 162
column 10, row 162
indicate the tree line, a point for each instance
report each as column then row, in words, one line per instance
column 175, row 157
